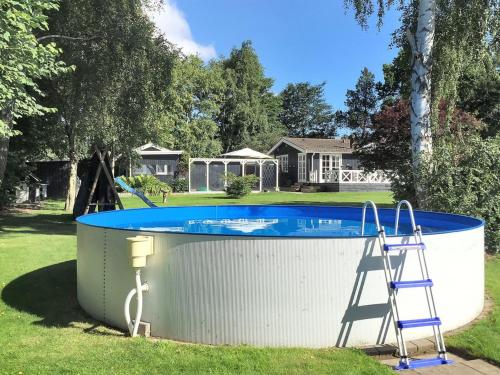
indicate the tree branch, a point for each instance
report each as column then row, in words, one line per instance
column 411, row 40
column 56, row 36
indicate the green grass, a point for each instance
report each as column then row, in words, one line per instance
column 344, row 199
column 483, row 339
column 44, row 331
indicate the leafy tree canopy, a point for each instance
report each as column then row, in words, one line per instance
column 249, row 107
column 305, row 113
column 361, row 104
column 194, row 98
column 24, row 59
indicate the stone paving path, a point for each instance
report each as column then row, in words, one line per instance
column 460, row 367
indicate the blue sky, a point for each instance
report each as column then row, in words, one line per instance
column 296, row 40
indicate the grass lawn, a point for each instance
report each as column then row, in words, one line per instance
column 43, row 330
column 344, row 199
column 483, row 339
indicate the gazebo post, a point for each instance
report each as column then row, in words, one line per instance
column 189, row 175
column 260, row 175
column 243, row 162
column 225, row 173
column 207, row 162
column 277, row 174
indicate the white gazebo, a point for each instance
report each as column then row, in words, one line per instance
column 209, row 174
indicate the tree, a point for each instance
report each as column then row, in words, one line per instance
column 449, row 32
column 194, row 99
column 386, row 146
column 114, row 97
column 249, row 107
column 24, row 60
column 305, row 113
column 421, row 43
column 361, row 104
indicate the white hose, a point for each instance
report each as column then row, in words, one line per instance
column 139, row 288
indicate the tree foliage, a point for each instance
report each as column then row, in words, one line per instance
column 194, row 98
column 24, row 59
column 121, row 69
column 305, row 113
column 114, row 97
column 464, row 176
column 361, row 104
column 465, row 179
column 249, row 109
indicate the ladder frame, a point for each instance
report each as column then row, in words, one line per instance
column 418, row 237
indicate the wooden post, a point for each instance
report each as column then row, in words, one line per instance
column 110, row 179
column 92, row 189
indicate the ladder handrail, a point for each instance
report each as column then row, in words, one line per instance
column 375, row 213
column 410, row 212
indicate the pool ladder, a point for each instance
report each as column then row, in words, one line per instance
column 393, row 287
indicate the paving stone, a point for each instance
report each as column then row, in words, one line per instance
column 483, row 367
column 424, row 345
column 455, row 369
column 460, row 367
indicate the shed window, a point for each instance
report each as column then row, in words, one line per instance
column 162, row 169
column 283, row 162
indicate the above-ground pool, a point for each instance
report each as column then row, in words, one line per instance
column 276, row 275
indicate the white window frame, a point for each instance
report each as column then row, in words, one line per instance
column 329, row 162
column 283, row 162
column 161, row 172
column 302, row 167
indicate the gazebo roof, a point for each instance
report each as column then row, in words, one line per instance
column 246, row 153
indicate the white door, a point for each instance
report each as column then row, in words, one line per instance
column 302, row 168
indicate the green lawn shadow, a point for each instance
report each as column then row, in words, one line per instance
column 50, row 293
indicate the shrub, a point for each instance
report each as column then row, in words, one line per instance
column 147, row 183
column 180, row 185
column 465, row 179
column 239, row 186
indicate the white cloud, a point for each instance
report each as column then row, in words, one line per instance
column 173, row 24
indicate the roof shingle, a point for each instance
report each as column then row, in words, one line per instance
column 321, row 144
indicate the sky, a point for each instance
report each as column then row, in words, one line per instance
column 296, row 40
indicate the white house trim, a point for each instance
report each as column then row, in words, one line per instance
column 159, row 150
column 282, row 140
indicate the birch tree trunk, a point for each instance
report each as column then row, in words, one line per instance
column 420, row 98
column 71, row 193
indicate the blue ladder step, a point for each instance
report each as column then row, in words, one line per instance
column 414, row 323
column 426, row 362
column 411, row 284
column 404, row 246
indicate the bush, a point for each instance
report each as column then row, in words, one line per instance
column 239, row 186
column 148, row 184
column 465, row 179
column 180, row 185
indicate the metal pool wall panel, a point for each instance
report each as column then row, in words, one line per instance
column 91, row 261
column 278, row 291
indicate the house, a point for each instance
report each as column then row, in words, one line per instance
column 158, row 161
column 327, row 164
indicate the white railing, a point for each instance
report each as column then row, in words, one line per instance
column 350, row 176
